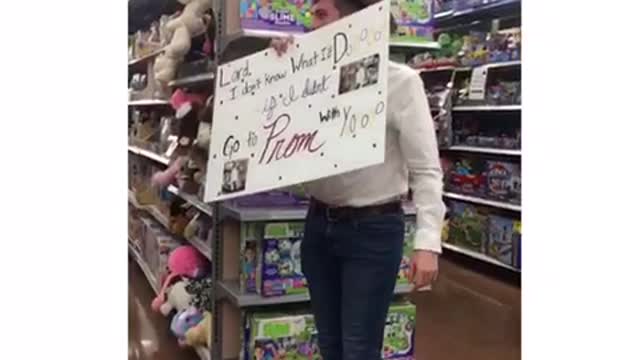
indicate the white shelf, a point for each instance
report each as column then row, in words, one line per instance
column 250, row 214
column 480, row 201
column 192, row 199
column 145, row 269
column 146, row 58
column 149, row 155
column 149, row 102
column 230, row 290
column 415, row 45
column 189, row 80
column 487, row 108
column 157, row 215
column 483, row 150
column 478, row 256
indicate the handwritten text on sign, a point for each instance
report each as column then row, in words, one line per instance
column 318, row 110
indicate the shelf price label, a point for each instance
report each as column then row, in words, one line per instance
column 478, row 86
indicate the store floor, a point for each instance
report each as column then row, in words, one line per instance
column 466, row 316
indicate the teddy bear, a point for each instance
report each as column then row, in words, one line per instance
column 189, row 23
column 200, row 335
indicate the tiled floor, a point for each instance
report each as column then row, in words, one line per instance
column 466, row 316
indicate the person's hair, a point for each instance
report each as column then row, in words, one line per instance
column 348, row 7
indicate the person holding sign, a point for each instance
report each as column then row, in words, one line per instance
column 354, row 230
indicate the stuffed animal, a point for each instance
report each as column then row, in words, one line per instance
column 162, row 179
column 184, row 261
column 177, row 298
column 189, row 23
column 183, row 321
column 200, row 335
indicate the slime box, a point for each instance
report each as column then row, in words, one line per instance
column 277, row 336
column 399, row 332
column 292, row 16
column 280, row 271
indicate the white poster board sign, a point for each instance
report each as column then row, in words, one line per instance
column 318, row 110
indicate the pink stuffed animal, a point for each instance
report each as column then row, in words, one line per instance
column 162, row 179
column 183, row 261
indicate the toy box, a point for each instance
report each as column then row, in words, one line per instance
column 405, row 264
column 503, row 181
column 276, row 336
column 412, row 18
column 158, row 244
column 399, row 332
column 276, row 15
column 500, row 245
column 251, row 234
column 517, row 242
column 467, row 226
column 281, row 270
column 465, row 176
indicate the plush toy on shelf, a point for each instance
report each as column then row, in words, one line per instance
column 184, row 261
column 177, row 298
column 189, row 23
column 185, row 320
column 200, row 335
column 165, row 178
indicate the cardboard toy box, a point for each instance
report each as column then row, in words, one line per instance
column 280, row 270
column 400, row 332
column 467, row 226
column 279, row 336
column 501, row 239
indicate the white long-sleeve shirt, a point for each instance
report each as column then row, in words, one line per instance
column 411, row 159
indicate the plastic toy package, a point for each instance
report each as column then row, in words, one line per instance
column 468, row 226
column 281, row 270
column 501, row 239
column 465, row 176
column 251, row 234
column 503, row 181
column 399, row 333
column 276, row 15
column 405, row 263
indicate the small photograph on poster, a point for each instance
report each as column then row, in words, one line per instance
column 359, row 74
column 234, row 176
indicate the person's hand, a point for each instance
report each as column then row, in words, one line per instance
column 281, row 45
column 424, row 269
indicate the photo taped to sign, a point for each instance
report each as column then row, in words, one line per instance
column 359, row 74
column 316, row 111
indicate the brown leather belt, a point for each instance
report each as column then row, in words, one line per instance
column 348, row 212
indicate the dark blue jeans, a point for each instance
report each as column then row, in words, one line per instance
column 351, row 268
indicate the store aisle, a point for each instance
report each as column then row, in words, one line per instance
column 149, row 334
column 469, row 316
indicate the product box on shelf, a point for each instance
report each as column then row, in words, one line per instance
column 281, row 269
column 405, row 263
column 399, row 332
column 517, row 241
column 503, row 181
column 278, row 336
column 276, row 15
column 468, row 226
column 158, row 244
column 501, row 244
column 465, row 175
column 250, row 235
column 413, row 18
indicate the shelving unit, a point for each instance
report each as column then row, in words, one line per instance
column 223, row 249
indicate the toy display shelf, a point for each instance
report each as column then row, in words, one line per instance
column 149, row 102
column 152, row 210
column 149, row 155
column 469, row 68
column 487, row 108
column 496, row 9
column 192, row 80
column 481, row 201
column 201, row 246
column 146, row 58
column 478, row 256
column 413, row 45
column 192, row 199
column 230, row 290
column 483, row 150
column 202, row 352
column 252, row 214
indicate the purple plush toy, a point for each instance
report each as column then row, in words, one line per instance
column 185, row 320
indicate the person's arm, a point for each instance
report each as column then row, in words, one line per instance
column 420, row 149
